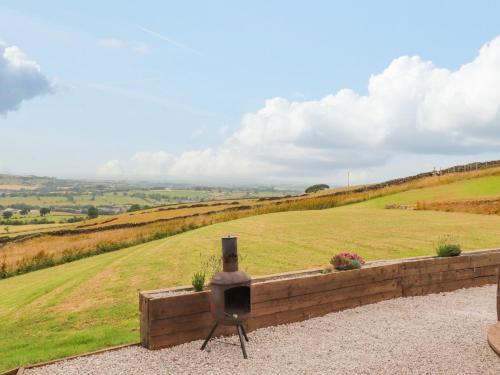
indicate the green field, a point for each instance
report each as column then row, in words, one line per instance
column 125, row 199
column 55, row 216
column 483, row 187
column 56, row 220
column 149, row 197
column 92, row 303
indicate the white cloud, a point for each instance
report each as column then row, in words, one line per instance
column 111, row 168
column 115, row 43
column 411, row 108
column 152, row 163
column 20, row 79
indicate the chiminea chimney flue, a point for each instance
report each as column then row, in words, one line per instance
column 229, row 254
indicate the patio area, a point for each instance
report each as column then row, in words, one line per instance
column 442, row 333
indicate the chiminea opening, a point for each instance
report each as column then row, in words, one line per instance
column 230, row 295
column 237, row 300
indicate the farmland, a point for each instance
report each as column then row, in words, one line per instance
column 106, row 198
column 92, row 303
column 52, row 246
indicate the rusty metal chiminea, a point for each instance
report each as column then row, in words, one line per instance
column 230, row 301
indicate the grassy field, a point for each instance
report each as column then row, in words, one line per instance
column 92, row 303
column 56, row 216
column 128, row 229
column 141, row 197
column 106, row 199
column 16, row 230
column 482, row 187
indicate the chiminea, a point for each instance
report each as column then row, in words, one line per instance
column 230, row 301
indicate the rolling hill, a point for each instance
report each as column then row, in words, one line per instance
column 92, row 303
column 29, row 250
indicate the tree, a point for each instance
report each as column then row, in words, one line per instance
column 315, row 188
column 44, row 211
column 92, row 212
column 134, row 207
column 24, row 211
column 7, row 215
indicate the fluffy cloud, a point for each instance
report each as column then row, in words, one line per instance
column 412, row 107
column 115, row 43
column 20, row 78
column 111, row 168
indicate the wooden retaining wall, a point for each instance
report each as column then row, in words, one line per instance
column 176, row 319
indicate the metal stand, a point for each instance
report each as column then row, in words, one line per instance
column 241, row 333
column 209, row 336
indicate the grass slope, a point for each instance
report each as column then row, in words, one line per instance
column 482, row 187
column 92, row 303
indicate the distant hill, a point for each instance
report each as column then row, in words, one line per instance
column 16, row 183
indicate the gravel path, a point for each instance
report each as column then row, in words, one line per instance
column 436, row 334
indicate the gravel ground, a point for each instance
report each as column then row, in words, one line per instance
column 436, row 334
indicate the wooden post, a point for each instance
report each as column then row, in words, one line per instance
column 498, row 295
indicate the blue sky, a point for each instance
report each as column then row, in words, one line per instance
column 160, row 89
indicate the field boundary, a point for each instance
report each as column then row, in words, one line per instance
column 20, row 370
column 175, row 316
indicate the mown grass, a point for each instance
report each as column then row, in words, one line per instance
column 92, row 303
column 50, row 250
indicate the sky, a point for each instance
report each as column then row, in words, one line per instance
column 255, row 92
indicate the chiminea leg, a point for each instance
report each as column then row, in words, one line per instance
column 209, row 336
column 243, row 349
column 244, row 332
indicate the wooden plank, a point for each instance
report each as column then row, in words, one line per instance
column 11, row 371
column 440, row 265
column 181, row 323
column 110, row 349
column 448, row 286
column 179, row 305
column 296, row 315
column 498, row 295
column 275, row 306
column 485, row 260
column 279, row 289
column 494, row 337
column 431, row 278
column 434, row 261
column 145, row 320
